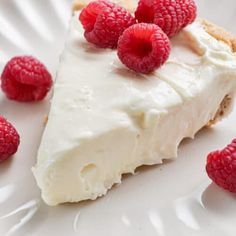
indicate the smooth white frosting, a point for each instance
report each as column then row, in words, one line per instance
column 106, row 120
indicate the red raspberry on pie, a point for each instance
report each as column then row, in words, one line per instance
column 221, row 167
column 170, row 15
column 143, row 47
column 104, row 22
column 25, row 79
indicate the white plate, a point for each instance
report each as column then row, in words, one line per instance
column 176, row 198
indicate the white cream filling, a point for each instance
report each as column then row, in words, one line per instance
column 106, row 120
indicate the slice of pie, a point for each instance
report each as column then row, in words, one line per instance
column 106, row 120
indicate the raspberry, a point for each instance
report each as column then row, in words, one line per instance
column 170, row 15
column 25, row 79
column 221, row 167
column 9, row 139
column 143, row 47
column 104, row 22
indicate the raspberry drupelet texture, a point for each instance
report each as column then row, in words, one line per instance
column 170, row 15
column 221, row 167
column 104, row 22
column 9, row 139
column 25, row 79
column 143, row 47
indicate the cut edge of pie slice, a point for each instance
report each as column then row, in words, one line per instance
column 106, row 120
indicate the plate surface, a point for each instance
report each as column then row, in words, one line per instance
column 172, row 199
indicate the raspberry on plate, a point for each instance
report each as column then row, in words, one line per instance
column 9, row 139
column 25, row 79
column 143, row 47
column 221, row 167
column 170, row 15
column 104, row 22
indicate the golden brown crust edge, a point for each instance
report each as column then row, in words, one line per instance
column 77, row 5
column 225, row 107
column 219, row 33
